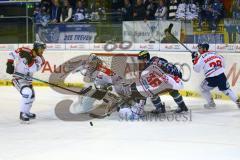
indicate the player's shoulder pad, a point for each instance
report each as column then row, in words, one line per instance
column 23, row 49
column 155, row 58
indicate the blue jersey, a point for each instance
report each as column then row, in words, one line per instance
column 167, row 67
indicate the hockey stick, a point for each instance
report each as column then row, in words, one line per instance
column 82, row 92
column 169, row 29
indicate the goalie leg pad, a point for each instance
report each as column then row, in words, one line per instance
column 109, row 105
column 97, row 94
column 82, row 105
column 111, row 100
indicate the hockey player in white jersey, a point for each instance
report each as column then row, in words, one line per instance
column 26, row 61
column 212, row 65
column 171, row 70
column 157, row 76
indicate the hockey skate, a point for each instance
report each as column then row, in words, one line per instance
column 31, row 115
column 210, row 105
column 159, row 110
column 181, row 108
column 24, row 118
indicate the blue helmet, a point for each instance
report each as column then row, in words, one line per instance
column 39, row 44
column 203, row 45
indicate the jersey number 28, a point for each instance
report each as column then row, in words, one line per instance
column 217, row 63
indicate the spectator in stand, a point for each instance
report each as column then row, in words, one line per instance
column 47, row 4
column 81, row 13
column 187, row 11
column 202, row 12
column 139, row 12
column 172, row 9
column 236, row 9
column 37, row 14
column 161, row 12
column 116, row 5
column 181, row 10
column 73, row 3
column 66, row 15
column 127, row 11
column 192, row 10
column 231, row 29
column 214, row 13
column 168, row 38
column 150, row 10
column 55, row 11
column 98, row 11
column 41, row 15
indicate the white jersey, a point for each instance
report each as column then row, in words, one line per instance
column 188, row 11
column 21, row 63
column 161, row 13
column 181, row 11
column 154, row 81
column 192, row 11
column 101, row 76
column 211, row 63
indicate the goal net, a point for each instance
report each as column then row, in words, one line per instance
column 124, row 65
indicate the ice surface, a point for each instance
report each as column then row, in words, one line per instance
column 212, row 134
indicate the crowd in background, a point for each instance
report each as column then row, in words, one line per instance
column 61, row 11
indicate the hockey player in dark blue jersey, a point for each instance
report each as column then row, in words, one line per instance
column 144, row 62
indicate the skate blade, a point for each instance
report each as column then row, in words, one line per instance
column 24, row 122
column 98, row 116
column 183, row 112
column 210, row 108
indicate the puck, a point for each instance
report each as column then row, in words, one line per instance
column 91, row 124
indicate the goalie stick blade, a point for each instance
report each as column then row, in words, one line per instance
column 85, row 90
column 101, row 116
column 98, row 116
column 102, row 111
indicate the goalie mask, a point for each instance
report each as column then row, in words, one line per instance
column 92, row 64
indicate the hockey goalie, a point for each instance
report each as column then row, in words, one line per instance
column 102, row 99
